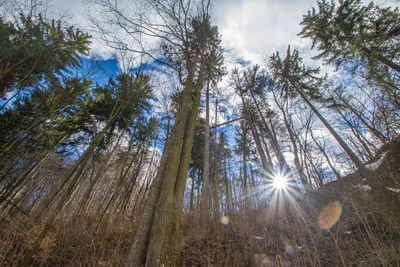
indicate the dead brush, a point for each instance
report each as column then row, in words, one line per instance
column 70, row 242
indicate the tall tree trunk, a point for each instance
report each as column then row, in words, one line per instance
column 69, row 190
column 357, row 134
column 121, row 177
column 99, row 174
column 166, row 224
column 244, row 168
column 288, row 126
column 205, row 190
column 260, row 150
column 164, row 179
column 182, row 178
column 191, row 207
column 215, row 175
column 271, row 133
column 373, row 130
column 11, row 144
column 363, row 170
column 227, row 189
column 20, row 180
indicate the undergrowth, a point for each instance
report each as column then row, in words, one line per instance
column 341, row 223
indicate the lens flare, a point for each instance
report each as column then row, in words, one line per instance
column 329, row 215
column 225, row 220
column 279, row 181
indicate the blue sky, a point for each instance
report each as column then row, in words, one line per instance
column 251, row 31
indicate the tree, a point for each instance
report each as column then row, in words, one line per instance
column 213, row 72
column 243, row 86
column 243, row 149
column 41, row 122
column 357, row 34
column 120, row 101
column 284, row 108
column 250, row 84
column 293, row 78
column 35, row 48
column 187, row 37
column 56, row 102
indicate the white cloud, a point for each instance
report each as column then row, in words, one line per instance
column 254, row 29
column 250, row 29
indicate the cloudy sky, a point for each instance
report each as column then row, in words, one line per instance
column 250, row 29
column 253, row 29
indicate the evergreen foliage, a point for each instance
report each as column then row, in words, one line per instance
column 34, row 48
column 88, row 177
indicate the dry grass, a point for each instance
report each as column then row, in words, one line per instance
column 363, row 236
column 303, row 233
column 78, row 242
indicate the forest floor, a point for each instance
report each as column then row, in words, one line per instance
column 353, row 221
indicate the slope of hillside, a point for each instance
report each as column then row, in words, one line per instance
column 353, row 221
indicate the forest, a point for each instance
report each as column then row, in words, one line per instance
column 169, row 153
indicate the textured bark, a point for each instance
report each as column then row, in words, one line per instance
column 182, row 176
column 165, row 179
column 165, row 229
column 156, row 237
column 205, row 190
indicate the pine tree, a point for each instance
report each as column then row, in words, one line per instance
column 122, row 99
column 357, row 35
column 35, row 48
column 293, row 78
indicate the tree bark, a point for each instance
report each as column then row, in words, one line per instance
column 205, row 190
column 166, row 224
column 164, row 179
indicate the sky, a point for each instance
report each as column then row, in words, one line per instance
column 251, row 30
column 254, row 29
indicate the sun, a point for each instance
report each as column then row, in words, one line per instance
column 279, row 181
